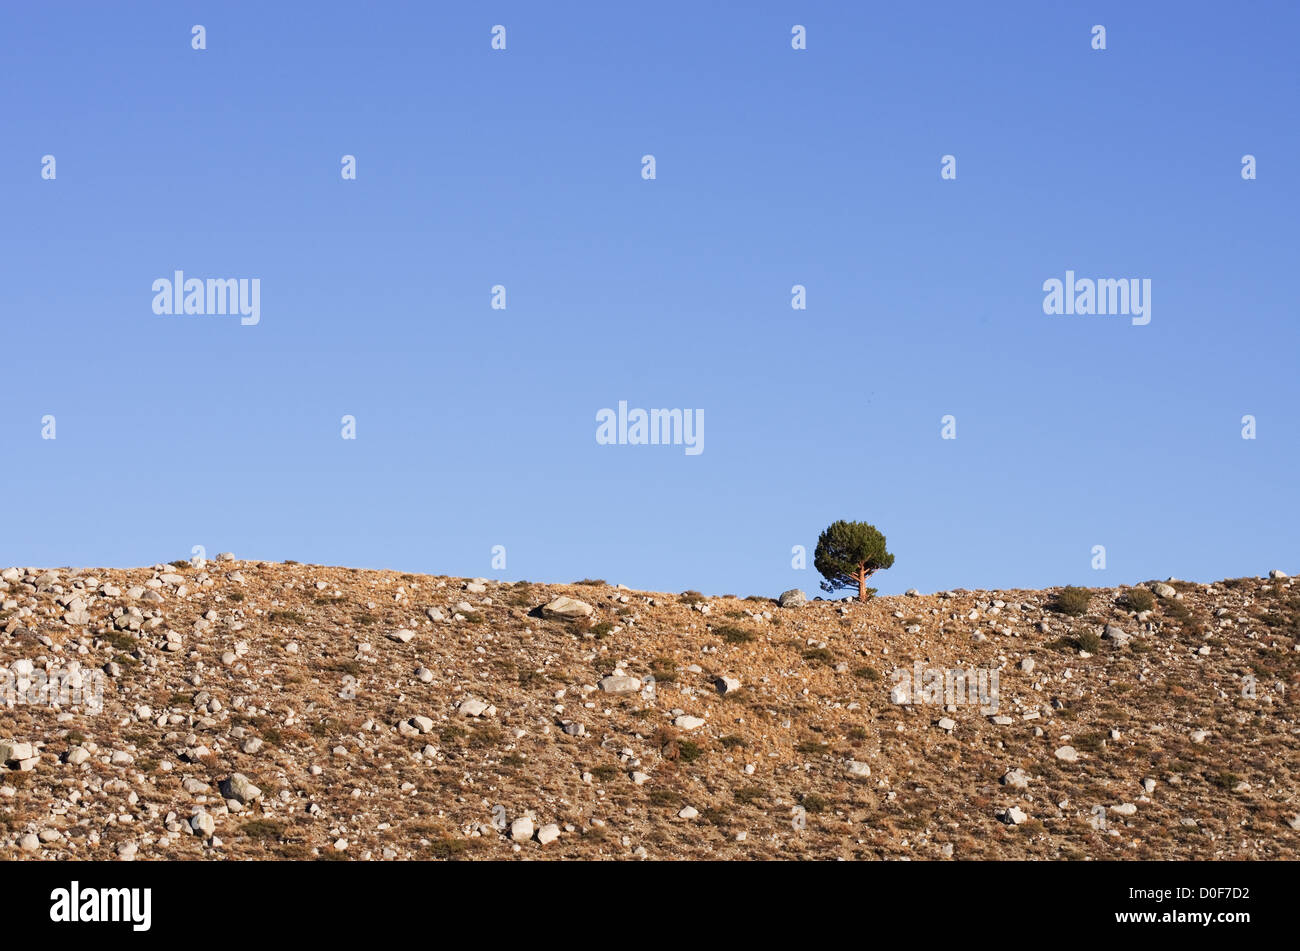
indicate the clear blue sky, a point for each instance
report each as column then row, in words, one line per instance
column 476, row 427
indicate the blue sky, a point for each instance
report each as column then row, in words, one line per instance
column 476, row 427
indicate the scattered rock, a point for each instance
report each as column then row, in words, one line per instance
column 1117, row 635
column 240, row 788
column 566, row 607
column 521, row 830
column 619, row 685
column 1016, row 779
column 794, row 598
column 13, row 751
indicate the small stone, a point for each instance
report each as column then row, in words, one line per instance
column 1016, row 779
column 565, row 607
column 727, row 685
column 423, row 724
column 240, row 788
column 1116, row 635
column 688, row 812
column 521, row 830
column 794, row 598
column 13, row 750
column 548, row 833
column 687, row 722
column 77, row 614
column 619, row 685
column 1067, row 754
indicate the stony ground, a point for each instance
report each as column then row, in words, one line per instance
column 263, row 710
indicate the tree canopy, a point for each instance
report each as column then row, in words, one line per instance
column 848, row 553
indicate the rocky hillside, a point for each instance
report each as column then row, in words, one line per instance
column 244, row 709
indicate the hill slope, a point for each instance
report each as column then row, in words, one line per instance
column 383, row 715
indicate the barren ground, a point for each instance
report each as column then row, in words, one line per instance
column 811, row 758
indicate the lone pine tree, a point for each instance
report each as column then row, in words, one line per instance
column 848, row 553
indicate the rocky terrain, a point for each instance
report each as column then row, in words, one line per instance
column 253, row 710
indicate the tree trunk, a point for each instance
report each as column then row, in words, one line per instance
column 863, row 575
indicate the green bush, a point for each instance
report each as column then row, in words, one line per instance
column 1139, row 599
column 1072, row 601
column 734, row 635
